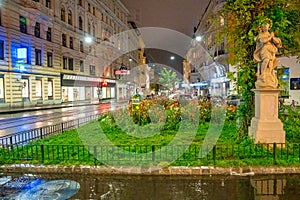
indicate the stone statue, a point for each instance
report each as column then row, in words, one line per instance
column 265, row 55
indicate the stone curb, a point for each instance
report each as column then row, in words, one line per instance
column 171, row 170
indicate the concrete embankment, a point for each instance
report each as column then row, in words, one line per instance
column 170, row 170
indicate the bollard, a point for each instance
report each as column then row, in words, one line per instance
column 214, row 154
column 153, row 154
column 95, row 155
column 41, row 133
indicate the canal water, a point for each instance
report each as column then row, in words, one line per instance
column 137, row 187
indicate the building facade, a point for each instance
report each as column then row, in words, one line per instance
column 45, row 57
column 290, row 79
column 207, row 57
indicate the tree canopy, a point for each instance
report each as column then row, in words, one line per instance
column 168, row 78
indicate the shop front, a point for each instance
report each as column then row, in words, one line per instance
column 107, row 88
column 83, row 88
column 219, row 86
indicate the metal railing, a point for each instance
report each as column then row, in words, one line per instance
column 24, row 137
column 254, row 154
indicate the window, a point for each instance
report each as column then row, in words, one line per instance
column 48, row 3
column 65, row 62
column 71, row 63
column 48, row 34
column 283, row 74
column 38, row 87
column 64, row 40
column 295, row 83
column 0, row 17
column 81, row 66
column 37, row 28
column 50, row 89
column 81, row 47
column 38, row 57
column 80, row 2
column 36, row 0
column 1, row 86
column 71, row 43
column 80, row 23
column 70, row 17
column 94, row 11
column 94, row 31
column 89, row 28
column 63, row 14
column 1, row 50
column 23, row 24
column 25, row 88
column 23, row 55
column 92, row 70
column 89, row 7
column 49, row 59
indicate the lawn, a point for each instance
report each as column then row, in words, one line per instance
column 167, row 134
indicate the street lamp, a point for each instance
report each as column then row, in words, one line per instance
column 88, row 39
column 198, row 38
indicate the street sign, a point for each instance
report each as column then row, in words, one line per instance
column 122, row 72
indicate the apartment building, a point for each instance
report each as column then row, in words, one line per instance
column 54, row 51
column 207, row 66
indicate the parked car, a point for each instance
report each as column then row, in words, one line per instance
column 173, row 96
column 217, row 100
column 233, row 100
column 195, row 96
column 185, row 97
column 149, row 97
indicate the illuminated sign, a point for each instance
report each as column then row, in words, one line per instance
column 22, row 55
column 122, row 72
column 86, row 78
column 104, row 84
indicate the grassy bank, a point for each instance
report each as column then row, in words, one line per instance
column 117, row 142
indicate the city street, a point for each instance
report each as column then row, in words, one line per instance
column 27, row 120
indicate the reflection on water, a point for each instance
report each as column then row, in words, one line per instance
column 182, row 187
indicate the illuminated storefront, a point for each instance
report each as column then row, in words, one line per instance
column 82, row 88
column 1, row 88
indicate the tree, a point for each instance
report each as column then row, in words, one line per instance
column 168, row 78
column 243, row 19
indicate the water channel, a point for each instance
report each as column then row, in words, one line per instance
column 131, row 187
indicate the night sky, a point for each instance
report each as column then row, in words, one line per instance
column 177, row 15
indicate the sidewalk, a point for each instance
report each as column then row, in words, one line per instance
column 47, row 107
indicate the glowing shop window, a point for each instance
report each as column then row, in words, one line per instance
column 38, row 87
column 50, row 88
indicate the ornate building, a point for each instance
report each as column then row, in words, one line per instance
column 206, row 57
column 45, row 56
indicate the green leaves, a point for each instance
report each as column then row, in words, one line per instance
column 243, row 21
column 168, row 78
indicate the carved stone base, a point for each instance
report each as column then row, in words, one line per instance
column 265, row 126
column 266, row 82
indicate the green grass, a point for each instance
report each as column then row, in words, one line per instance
column 78, row 147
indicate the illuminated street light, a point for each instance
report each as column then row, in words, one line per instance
column 88, row 39
column 198, row 38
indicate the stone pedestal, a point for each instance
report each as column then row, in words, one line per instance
column 265, row 126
